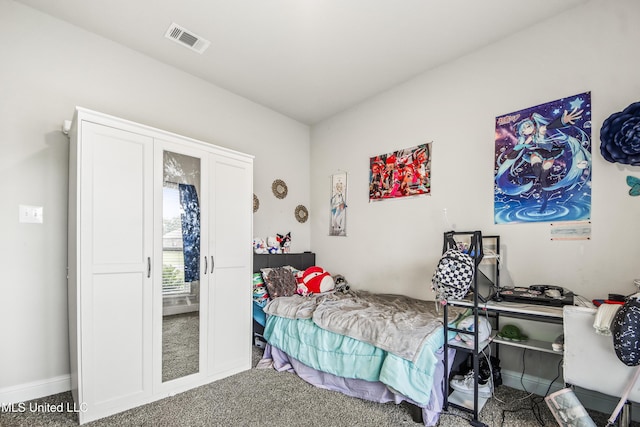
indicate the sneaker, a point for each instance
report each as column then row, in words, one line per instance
column 259, row 341
column 558, row 344
column 484, row 369
column 465, row 385
column 496, row 371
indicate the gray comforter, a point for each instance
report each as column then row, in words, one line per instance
column 395, row 323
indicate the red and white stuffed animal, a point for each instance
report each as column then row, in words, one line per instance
column 314, row 280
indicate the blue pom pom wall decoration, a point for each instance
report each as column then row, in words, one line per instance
column 620, row 136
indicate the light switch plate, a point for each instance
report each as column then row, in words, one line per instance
column 31, row 214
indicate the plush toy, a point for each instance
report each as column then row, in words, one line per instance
column 341, row 283
column 259, row 246
column 314, row 280
column 285, row 242
column 273, row 246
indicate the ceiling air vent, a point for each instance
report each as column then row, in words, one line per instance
column 186, row 38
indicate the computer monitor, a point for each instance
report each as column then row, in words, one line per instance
column 486, row 288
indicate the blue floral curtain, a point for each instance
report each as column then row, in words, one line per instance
column 190, row 218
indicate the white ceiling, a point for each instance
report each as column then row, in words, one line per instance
column 307, row 59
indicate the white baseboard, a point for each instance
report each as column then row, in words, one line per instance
column 35, row 389
column 589, row 399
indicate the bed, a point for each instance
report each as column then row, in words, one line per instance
column 378, row 347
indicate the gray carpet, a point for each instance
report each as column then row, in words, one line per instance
column 264, row 397
column 180, row 345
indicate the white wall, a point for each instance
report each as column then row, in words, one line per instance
column 49, row 67
column 393, row 246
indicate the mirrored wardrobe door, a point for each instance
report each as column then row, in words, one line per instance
column 181, row 233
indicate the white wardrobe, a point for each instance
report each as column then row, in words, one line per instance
column 160, row 232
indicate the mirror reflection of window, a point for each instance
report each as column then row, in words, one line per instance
column 172, row 248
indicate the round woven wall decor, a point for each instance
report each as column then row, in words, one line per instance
column 302, row 214
column 279, row 189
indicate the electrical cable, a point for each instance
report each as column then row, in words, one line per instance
column 538, row 400
column 535, row 401
column 522, row 374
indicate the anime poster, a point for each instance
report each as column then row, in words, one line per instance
column 338, row 225
column 543, row 163
column 402, row 173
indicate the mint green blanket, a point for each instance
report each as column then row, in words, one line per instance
column 409, row 371
column 347, row 357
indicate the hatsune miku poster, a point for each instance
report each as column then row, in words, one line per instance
column 542, row 164
column 402, row 173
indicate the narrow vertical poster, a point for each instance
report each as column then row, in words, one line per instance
column 338, row 226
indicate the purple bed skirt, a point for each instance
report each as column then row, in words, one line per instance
column 373, row 391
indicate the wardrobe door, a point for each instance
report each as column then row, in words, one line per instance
column 230, row 238
column 181, row 289
column 115, row 235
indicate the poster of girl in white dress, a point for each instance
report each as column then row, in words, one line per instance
column 338, row 225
